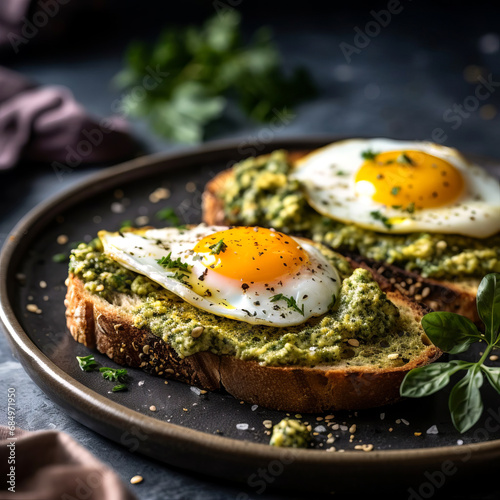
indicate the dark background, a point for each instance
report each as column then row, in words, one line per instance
column 400, row 85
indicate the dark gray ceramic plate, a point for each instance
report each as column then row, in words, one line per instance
column 202, row 432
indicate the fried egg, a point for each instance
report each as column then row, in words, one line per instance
column 396, row 186
column 251, row 274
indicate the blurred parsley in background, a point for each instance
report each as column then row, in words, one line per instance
column 199, row 70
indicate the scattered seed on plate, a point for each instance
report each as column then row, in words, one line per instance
column 33, row 308
column 45, row 297
column 97, row 219
column 142, row 220
column 493, row 357
column 190, row 187
column 62, row 239
column 394, row 355
column 364, row 447
column 152, row 408
column 352, row 429
column 267, row 423
column 417, row 434
column 136, row 480
column 117, row 208
column 43, row 284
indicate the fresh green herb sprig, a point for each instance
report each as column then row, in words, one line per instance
column 87, row 363
column 170, row 263
column 194, row 72
column 454, row 334
column 404, row 159
column 368, row 154
column 291, row 302
column 218, row 247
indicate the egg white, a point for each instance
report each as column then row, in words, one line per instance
column 315, row 286
column 328, row 178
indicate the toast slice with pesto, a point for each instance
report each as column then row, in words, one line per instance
column 354, row 356
column 257, row 191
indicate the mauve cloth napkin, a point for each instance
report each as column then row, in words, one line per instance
column 46, row 124
column 50, row 465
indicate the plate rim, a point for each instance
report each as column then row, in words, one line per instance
column 42, row 366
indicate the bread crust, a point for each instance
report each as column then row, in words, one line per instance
column 108, row 328
column 439, row 295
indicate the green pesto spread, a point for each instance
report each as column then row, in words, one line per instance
column 263, row 194
column 290, row 433
column 363, row 327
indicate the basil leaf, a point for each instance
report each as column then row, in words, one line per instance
column 427, row 380
column 449, row 331
column 493, row 376
column 465, row 402
column 488, row 304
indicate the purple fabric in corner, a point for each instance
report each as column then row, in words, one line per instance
column 46, row 124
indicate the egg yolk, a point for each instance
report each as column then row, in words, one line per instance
column 252, row 254
column 409, row 178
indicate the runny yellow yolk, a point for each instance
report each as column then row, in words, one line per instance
column 409, row 178
column 252, row 254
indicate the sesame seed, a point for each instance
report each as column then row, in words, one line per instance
column 190, row 187
column 196, row 332
column 352, row 429
column 425, row 292
column 43, row 284
column 493, row 357
column 152, row 408
column 136, row 480
column 62, row 239
column 417, row 434
column 33, row 308
column 394, row 355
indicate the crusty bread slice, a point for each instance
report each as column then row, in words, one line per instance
column 108, row 327
column 440, row 295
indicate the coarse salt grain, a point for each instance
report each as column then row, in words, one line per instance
column 432, row 430
column 254, row 407
column 320, row 428
column 242, row 427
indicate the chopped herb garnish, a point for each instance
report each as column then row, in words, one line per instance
column 368, row 154
column 405, row 159
column 290, row 302
column 114, row 374
column 333, row 302
column 168, row 262
column 454, row 334
column 340, row 172
column 218, row 247
column 382, row 218
column 180, row 277
column 87, row 363
column 119, row 388
column 168, row 214
column 395, row 190
column 410, row 208
column 59, row 257
column 126, row 223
